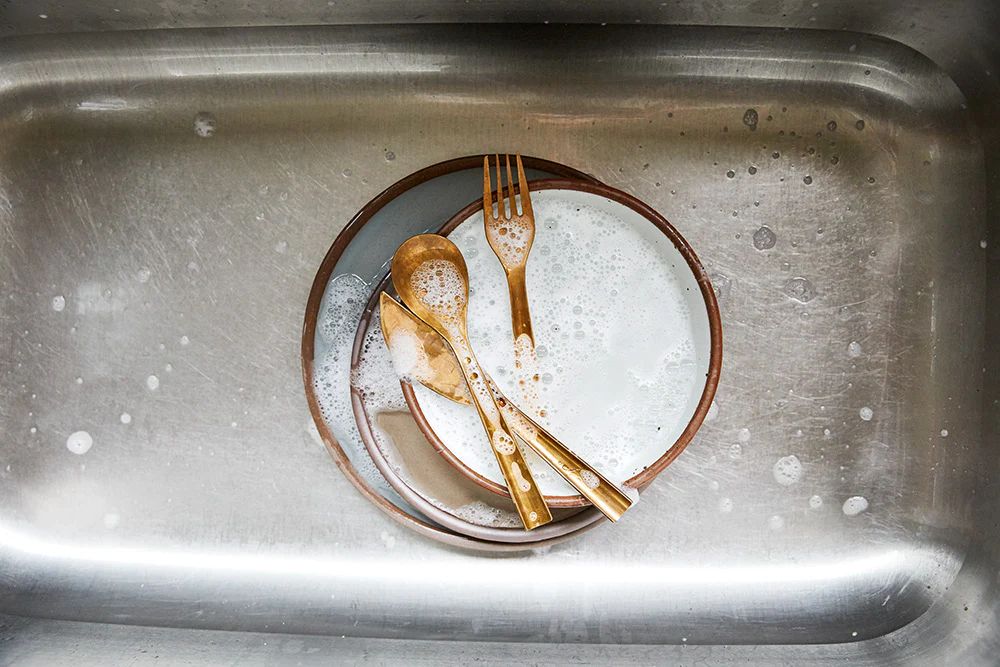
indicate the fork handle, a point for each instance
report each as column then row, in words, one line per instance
column 605, row 496
column 520, row 315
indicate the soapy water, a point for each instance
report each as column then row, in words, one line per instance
column 483, row 514
column 590, row 479
column 855, row 505
column 439, row 285
column 510, row 239
column 79, row 442
column 616, row 373
column 503, row 443
column 374, row 382
column 337, row 322
column 787, row 470
column 408, row 357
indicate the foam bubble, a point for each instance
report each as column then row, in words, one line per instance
column 590, row 479
column 855, row 505
column 787, row 470
column 815, row 502
column 408, row 357
column 374, row 378
column 79, row 442
column 510, row 240
column 482, row 514
column 439, row 285
column 504, row 444
column 58, row 303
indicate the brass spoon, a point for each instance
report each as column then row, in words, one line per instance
column 445, row 371
column 429, row 273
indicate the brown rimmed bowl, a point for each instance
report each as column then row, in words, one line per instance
column 364, row 246
column 712, row 346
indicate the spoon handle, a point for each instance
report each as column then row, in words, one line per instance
column 520, row 315
column 522, row 487
column 588, row 481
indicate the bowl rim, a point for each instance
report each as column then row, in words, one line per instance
column 308, row 344
column 642, row 479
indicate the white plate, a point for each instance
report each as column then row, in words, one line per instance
column 622, row 331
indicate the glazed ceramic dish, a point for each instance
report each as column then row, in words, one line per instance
column 357, row 261
column 627, row 333
column 427, row 482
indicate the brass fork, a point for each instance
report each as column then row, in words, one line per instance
column 510, row 233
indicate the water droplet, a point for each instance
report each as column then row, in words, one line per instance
column 944, row 433
column 58, row 303
column 800, row 289
column 79, row 442
column 185, row 340
column 204, row 124
column 764, row 238
column 725, row 505
column 126, row 418
column 860, row 125
column 750, row 118
column 389, row 156
column 730, row 174
column 807, row 180
column 866, row 413
column 834, row 160
column 776, row 522
column 280, row 247
column 744, row 435
column 735, row 451
column 153, row 383
column 787, row 470
column 983, row 244
column 871, row 179
column 775, row 155
column 143, row 275
column 815, row 502
column 832, row 125
column 855, row 505
column 752, row 170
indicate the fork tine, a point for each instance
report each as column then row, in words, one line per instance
column 487, row 190
column 522, row 184
column 510, row 190
column 501, row 210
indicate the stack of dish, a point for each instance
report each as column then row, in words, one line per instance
column 626, row 334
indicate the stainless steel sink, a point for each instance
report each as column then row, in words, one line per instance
column 167, row 196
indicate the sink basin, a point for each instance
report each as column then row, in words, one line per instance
column 167, row 196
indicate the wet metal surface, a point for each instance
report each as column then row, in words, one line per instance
column 164, row 204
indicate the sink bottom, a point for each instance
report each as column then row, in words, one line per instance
column 164, row 204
